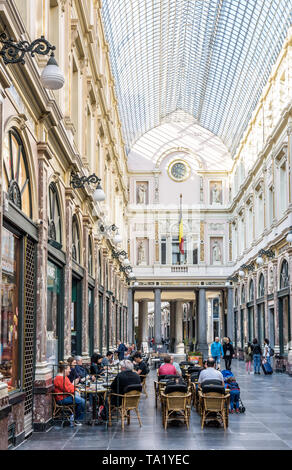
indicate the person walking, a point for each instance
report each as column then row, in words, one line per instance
column 267, row 351
column 217, row 351
column 248, row 357
column 228, row 351
column 257, row 353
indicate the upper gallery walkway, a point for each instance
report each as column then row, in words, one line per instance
column 266, row 424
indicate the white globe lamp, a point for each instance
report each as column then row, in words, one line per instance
column 241, row 273
column 99, row 194
column 126, row 262
column 289, row 237
column 117, row 238
column 260, row 261
column 52, row 78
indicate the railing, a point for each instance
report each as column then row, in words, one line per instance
column 179, row 269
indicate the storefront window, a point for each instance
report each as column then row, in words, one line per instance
column 10, row 288
column 53, row 309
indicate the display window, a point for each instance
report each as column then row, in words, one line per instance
column 10, row 310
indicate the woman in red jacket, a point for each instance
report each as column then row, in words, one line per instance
column 64, row 387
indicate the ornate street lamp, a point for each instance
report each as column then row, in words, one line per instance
column 13, row 52
column 289, row 236
column 268, row 253
column 79, row 182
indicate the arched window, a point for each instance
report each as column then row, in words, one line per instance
column 243, row 294
column 75, row 240
column 16, row 175
column 284, row 275
column 261, row 291
column 90, row 257
column 251, row 291
column 55, row 227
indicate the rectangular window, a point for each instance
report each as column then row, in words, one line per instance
column 177, row 257
column 9, row 324
column 283, row 186
column 163, row 250
column 195, row 255
column 271, row 206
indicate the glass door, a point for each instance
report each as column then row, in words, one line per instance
column 76, row 317
column 54, row 298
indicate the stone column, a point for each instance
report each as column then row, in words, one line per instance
column 69, row 194
column 96, row 346
column 230, row 313
column 266, row 307
column 130, row 332
column 276, row 306
column 179, row 345
column 43, row 371
column 85, row 319
column 202, row 320
column 191, row 316
column 172, row 325
column 143, row 322
column 105, row 325
column 157, row 316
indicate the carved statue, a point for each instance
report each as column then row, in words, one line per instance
column 141, row 253
column 142, row 194
column 216, row 252
column 215, row 195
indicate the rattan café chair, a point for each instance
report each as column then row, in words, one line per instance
column 62, row 412
column 215, row 406
column 128, row 402
column 176, row 406
column 143, row 383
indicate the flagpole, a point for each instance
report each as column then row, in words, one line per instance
column 180, row 217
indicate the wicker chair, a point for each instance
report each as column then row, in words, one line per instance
column 214, row 405
column 143, row 383
column 174, row 403
column 62, row 412
column 129, row 402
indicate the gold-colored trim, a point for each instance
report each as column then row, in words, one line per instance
column 179, row 160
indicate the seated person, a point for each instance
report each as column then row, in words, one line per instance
column 176, row 365
column 139, row 365
column 73, row 376
column 108, row 359
column 62, row 386
column 123, row 380
column 81, row 371
column 210, row 373
column 96, row 368
column 234, row 390
column 167, row 368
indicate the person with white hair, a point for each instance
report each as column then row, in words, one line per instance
column 123, row 380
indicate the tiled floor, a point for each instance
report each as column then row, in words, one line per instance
column 266, row 424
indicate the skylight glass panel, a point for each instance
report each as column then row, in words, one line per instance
column 209, row 58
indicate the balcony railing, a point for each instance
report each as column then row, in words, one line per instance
column 179, row 269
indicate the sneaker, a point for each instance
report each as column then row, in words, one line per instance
column 237, row 410
column 77, row 423
column 232, row 411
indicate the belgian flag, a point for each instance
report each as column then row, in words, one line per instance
column 181, row 234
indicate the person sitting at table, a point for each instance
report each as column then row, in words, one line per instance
column 63, row 386
column 108, row 359
column 167, row 368
column 81, row 370
column 210, row 373
column 73, row 376
column 176, row 365
column 96, row 368
column 126, row 377
column 139, row 365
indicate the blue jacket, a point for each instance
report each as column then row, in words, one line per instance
column 216, row 349
column 121, row 351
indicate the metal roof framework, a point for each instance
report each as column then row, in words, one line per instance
column 209, row 58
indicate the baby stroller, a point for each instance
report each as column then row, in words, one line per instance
column 226, row 374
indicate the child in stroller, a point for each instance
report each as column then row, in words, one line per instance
column 234, row 390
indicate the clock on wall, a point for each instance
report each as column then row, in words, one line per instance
column 179, row 170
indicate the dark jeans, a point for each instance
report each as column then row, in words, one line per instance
column 79, row 406
column 234, row 398
column 228, row 363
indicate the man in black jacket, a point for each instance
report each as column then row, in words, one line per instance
column 123, row 380
column 228, row 353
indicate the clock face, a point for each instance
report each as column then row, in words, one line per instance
column 179, row 170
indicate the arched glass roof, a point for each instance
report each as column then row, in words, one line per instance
column 209, row 58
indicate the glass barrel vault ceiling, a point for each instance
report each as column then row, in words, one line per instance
column 209, row 58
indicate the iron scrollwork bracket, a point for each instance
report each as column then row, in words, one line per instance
column 79, row 182
column 13, row 52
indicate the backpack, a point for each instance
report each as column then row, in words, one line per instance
column 271, row 351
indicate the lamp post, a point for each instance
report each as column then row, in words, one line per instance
column 13, row 52
column 79, row 182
